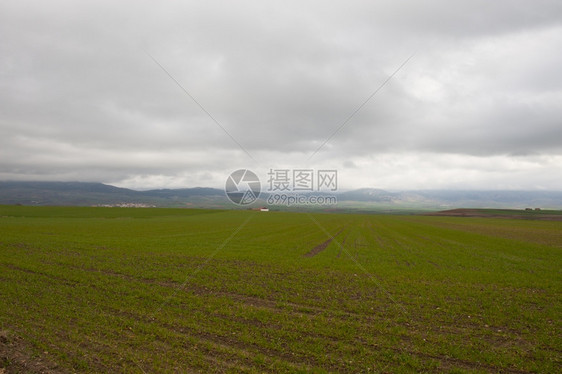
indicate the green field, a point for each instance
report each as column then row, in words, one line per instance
column 177, row 290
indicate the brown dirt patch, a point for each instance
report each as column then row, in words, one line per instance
column 16, row 357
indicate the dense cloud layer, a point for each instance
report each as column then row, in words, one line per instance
column 478, row 106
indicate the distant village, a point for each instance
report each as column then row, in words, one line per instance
column 125, row 205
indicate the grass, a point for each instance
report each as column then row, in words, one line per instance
column 172, row 290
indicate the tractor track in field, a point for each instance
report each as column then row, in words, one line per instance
column 341, row 246
column 322, row 246
column 303, row 309
column 65, row 281
column 278, row 306
column 233, row 342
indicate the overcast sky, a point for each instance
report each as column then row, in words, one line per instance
column 478, row 106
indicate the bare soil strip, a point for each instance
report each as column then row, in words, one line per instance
column 322, row 246
column 507, row 214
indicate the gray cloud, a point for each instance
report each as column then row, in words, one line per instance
column 80, row 99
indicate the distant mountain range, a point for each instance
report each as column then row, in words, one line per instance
column 88, row 194
column 448, row 199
